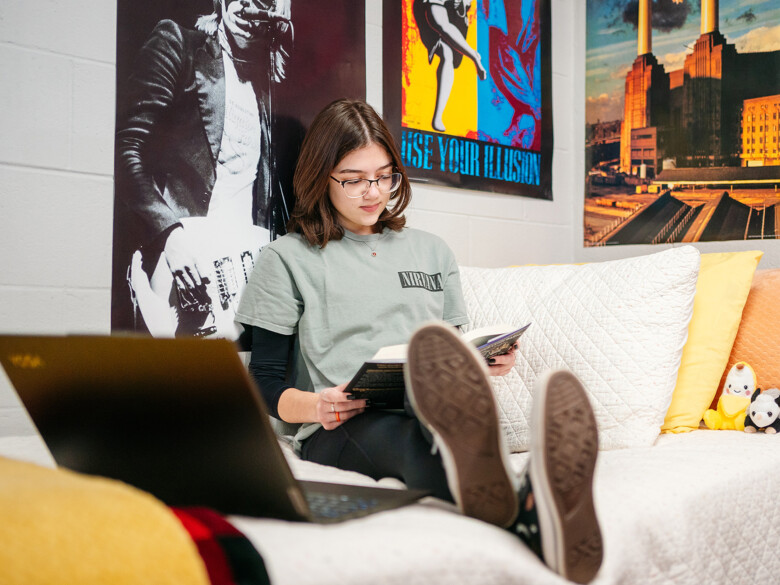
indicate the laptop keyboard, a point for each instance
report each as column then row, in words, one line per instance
column 331, row 506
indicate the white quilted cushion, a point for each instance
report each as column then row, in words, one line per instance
column 620, row 326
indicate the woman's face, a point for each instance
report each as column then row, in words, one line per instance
column 361, row 214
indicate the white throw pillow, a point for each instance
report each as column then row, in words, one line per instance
column 619, row 325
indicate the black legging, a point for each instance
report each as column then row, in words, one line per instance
column 381, row 444
column 376, row 443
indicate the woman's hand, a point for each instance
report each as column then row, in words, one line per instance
column 501, row 365
column 333, row 407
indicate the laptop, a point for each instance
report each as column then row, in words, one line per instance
column 179, row 418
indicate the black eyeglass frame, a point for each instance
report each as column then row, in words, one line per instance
column 342, row 183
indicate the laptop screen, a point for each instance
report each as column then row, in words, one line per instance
column 179, row 418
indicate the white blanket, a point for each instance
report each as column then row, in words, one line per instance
column 694, row 508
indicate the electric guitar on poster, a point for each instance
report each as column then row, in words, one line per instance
column 226, row 258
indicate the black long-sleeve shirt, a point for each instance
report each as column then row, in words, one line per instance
column 269, row 365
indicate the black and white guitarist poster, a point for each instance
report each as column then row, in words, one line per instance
column 213, row 99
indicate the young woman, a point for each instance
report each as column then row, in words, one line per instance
column 335, row 282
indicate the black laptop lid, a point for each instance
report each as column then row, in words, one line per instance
column 179, row 418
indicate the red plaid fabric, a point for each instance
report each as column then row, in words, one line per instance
column 229, row 557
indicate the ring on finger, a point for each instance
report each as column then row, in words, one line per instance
column 333, row 407
column 338, row 417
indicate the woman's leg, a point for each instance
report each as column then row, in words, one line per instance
column 381, row 444
column 553, row 510
column 439, row 20
column 445, row 78
column 452, row 41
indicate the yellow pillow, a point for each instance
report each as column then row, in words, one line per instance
column 721, row 291
column 60, row 527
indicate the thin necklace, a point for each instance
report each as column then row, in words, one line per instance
column 370, row 247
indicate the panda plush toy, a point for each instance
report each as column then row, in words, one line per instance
column 762, row 414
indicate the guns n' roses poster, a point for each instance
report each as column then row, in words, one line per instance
column 213, row 98
column 467, row 88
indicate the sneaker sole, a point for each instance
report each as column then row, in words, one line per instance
column 564, row 448
column 448, row 386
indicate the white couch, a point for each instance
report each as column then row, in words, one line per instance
column 695, row 507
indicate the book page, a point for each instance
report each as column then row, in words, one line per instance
column 477, row 337
column 482, row 335
column 391, row 352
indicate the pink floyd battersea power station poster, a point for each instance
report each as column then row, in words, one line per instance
column 682, row 121
column 467, row 90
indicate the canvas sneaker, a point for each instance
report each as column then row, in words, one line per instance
column 448, row 386
column 558, row 521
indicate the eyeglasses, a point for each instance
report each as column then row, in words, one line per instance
column 355, row 188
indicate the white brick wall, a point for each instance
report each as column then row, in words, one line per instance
column 56, row 165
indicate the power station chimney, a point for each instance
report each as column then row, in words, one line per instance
column 709, row 16
column 644, row 27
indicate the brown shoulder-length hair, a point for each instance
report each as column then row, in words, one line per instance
column 342, row 127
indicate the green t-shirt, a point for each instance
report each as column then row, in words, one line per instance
column 352, row 297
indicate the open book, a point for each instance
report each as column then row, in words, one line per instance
column 381, row 379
